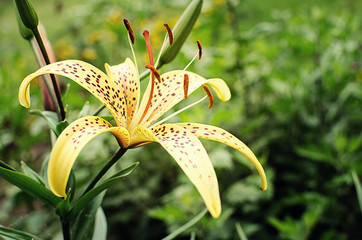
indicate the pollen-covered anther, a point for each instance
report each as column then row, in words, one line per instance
column 129, row 29
column 186, row 85
column 170, row 35
column 209, row 95
column 154, row 71
column 200, row 48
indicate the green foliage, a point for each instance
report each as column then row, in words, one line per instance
column 8, row 233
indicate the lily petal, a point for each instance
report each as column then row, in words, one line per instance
column 90, row 78
column 170, row 91
column 69, row 144
column 141, row 136
column 191, row 156
column 220, row 135
column 125, row 75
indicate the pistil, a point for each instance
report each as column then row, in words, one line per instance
column 151, row 66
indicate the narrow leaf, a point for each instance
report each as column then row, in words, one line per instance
column 50, row 117
column 31, row 173
column 100, row 226
column 89, row 196
column 85, row 223
column 30, row 186
column 358, row 187
column 6, row 166
column 10, row 233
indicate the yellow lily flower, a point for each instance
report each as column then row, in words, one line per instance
column 119, row 90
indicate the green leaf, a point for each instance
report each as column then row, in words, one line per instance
column 30, row 186
column 10, row 233
column 31, row 173
column 81, row 229
column 89, row 196
column 6, row 166
column 358, row 187
column 50, row 117
column 60, row 127
column 100, row 226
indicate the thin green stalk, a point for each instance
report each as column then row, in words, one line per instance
column 186, row 226
column 101, row 173
column 46, row 79
column 61, row 111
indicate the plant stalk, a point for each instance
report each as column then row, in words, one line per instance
column 101, row 173
column 61, row 111
column 66, row 230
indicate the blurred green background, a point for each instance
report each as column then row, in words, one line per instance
column 295, row 72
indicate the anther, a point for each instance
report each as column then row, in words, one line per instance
column 154, row 71
column 186, row 85
column 129, row 29
column 170, row 35
column 200, row 48
column 209, row 95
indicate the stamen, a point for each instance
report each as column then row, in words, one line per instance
column 146, row 35
column 200, row 48
column 170, row 35
column 129, row 29
column 178, row 112
column 208, row 92
column 186, row 85
column 154, row 71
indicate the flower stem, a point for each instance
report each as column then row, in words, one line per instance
column 66, row 230
column 110, row 163
column 61, row 111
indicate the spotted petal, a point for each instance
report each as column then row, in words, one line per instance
column 191, row 156
column 171, row 91
column 90, row 78
column 125, row 75
column 220, row 135
column 69, row 144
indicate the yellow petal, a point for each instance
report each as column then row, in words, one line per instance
column 69, row 144
column 141, row 136
column 90, row 78
column 126, row 76
column 220, row 135
column 191, row 156
column 222, row 90
column 171, row 91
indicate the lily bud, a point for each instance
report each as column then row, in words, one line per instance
column 27, row 13
column 181, row 31
column 25, row 32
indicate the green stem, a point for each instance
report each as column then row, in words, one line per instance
column 186, row 225
column 38, row 58
column 110, row 163
column 61, row 111
column 66, row 230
